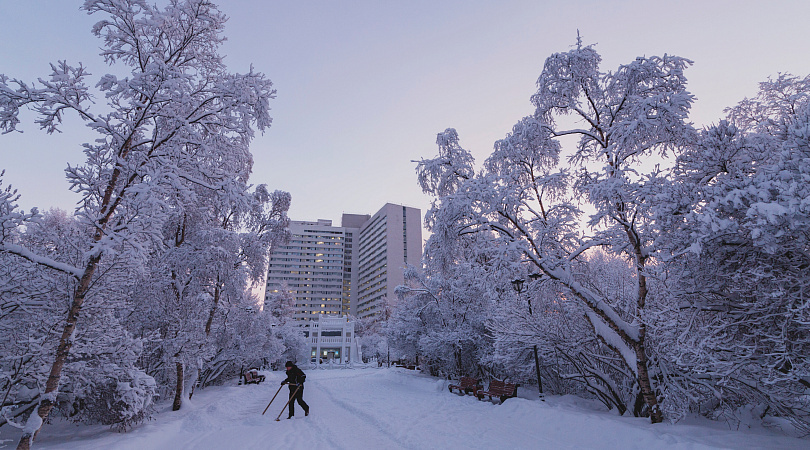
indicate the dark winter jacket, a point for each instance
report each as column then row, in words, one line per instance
column 295, row 376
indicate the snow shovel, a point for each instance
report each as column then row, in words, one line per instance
column 274, row 397
column 288, row 402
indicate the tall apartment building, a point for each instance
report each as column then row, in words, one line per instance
column 388, row 241
column 351, row 269
column 311, row 266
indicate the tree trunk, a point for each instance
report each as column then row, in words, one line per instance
column 25, row 442
column 647, row 391
column 656, row 415
column 106, row 210
column 62, row 352
column 213, row 308
column 537, row 372
column 178, row 390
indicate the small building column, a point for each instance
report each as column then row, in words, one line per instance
column 317, row 342
column 343, row 358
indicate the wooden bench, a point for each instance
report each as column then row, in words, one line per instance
column 252, row 376
column 466, row 385
column 498, row 389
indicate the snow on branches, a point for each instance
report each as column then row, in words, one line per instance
column 708, row 231
column 172, row 142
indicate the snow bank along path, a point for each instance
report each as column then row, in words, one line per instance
column 394, row 409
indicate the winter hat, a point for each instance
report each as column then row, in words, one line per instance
column 289, row 364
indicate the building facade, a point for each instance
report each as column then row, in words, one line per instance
column 387, row 242
column 332, row 340
column 351, row 269
column 311, row 266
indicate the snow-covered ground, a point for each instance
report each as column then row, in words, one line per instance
column 395, row 408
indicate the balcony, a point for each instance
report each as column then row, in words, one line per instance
column 334, row 340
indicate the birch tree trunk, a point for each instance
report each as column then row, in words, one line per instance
column 79, row 294
column 178, row 390
column 62, row 352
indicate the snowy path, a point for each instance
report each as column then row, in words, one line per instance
column 394, row 409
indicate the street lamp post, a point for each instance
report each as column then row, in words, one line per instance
column 518, row 285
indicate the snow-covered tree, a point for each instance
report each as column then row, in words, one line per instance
column 740, row 224
column 441, row 319
column 442, row 307
column 30, row 305
column 286, row 335
column 101, row 382
column 214, row 246
column 178, row 105
column 372, row 339
column 573, row 359
column 622, row 119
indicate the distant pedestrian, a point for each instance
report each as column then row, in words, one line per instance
column 295, row 378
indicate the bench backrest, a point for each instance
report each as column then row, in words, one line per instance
column 468, row 382
column 498, row 387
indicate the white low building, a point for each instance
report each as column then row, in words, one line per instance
column 333, row 340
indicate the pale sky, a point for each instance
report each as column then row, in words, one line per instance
column 364, row 86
